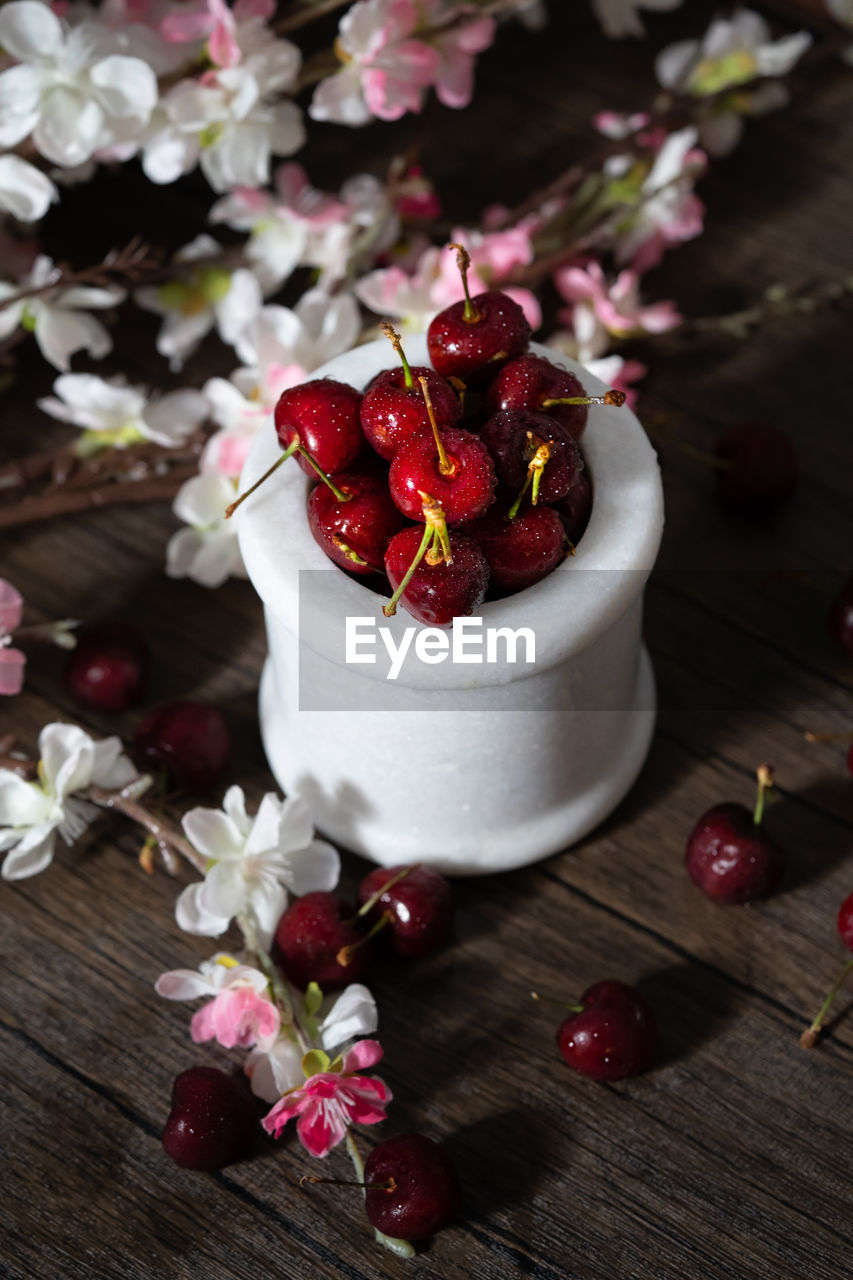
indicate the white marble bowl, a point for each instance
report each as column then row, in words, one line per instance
column 471, row 768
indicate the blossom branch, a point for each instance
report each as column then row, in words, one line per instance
column 69, row 501
column 136, row 262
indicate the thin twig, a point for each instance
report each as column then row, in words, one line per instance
column 62, row 502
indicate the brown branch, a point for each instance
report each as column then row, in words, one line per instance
column 135, row 262
column 64, row 501
column 163, row 832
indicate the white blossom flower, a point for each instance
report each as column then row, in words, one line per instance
column 239, row 408
column 340, row 1020
column 231, row 122
column 620, row 17
column 733, row 52
column 57, row 317
column 287, row 344
column 110, row 412
column 32, row 814
column 668, row 211
column 207, row 296
column 71, row 88
column 207, row 550
column 25, row 192
column 391, row 291
column 252, row 863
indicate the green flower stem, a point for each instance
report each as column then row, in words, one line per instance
column 809, row 1037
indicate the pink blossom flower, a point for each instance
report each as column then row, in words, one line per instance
column 602, row 307
column 239, row 1016
column 11, row 660
column 215, row 22
column 330, row 1101
column 457, row 49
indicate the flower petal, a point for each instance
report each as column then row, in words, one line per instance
column 22, row 803
column 363, row 1054
column 268, row 902
column 25, row 191
column 12, row 663
column 320, row 1127
column 352, row 1014
column 213, row 833
column 67, row 757
column 275, row 1072
column 70, row 127
column 30, row 31
column 125, row 87
column 193, row 917
column 285, row 1109
column 111, row 768
column 314, row 868
column 11, row 607
column 225, row 890
column 183, row 984
column 31, row 855
column 172, row 418
column 61, row 333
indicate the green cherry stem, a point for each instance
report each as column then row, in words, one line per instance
column 402, row 1248
column 809, row 1037
column 765, row 786
column 347, row 550
column 288, row 453
column 436, row 526
column 463, row 261
column 445, row 466
column 345, row 955
column 327, row 480
column 614, row 397
column 396, row 342
column 371, row 902
column 534, row 476
column 562, row 1004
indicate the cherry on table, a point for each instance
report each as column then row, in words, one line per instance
column 529, row 381
column 355, row 532
column 324, row 416
column 414, row 905
column 840, row 618
column 108, row 667
column 212, row 1121
column 521, row 550
column 310, row 937
column 611, row 1034
column 412, row 1187
column 532, row 452
column 760, row 468
column 729, row 856
column 434, row 580
column 844, row 924
column 190, row 740
column 394, row 410
column 473, row 338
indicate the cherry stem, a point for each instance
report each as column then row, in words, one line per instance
column 390, row 1185
column 764, row 773
column 346, row 954
column 396, row 342
column 288, row 453
column 463, row 261
column 809, row 1037
column 327, row 480
column 809, row 736
column 436, row 526
column 445, row 466
column 562, row 1004
column 614, row 397
column 347, row 550
column 374, row 898
column 534, row 474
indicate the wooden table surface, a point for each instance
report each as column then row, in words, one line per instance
column 731, row 1157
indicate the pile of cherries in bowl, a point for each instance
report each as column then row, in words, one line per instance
column 456, row 483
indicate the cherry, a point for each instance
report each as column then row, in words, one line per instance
column 435, row 584
column 529, row 383
column 729, row 857
column 840, row 618
column 414, row 902
column 108, row 668
column 522, row 550
column 760, row 469
column 354, row 533
column 611, row 1034
column 412, row 1187
column 455, row 467
column 845, row 932
column 576, row 507
column 212, row 1121
column 394, row 410
column 190, row 740
column 533, row 451
column 473, row 338
column 310, row 936
column 324, row 416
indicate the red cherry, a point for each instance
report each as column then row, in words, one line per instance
column 190, row 740
column 437, row 593
column 417, row 904
column 732, row 859
column 613, row 1036
column 394, row 409
column 576, row 507
column 528, row 381
column 212, row 1122
column 473, row 338
column 514, row 439
column 324, row 415
column 522, row 550
column 354, row 533
column 309, row 937
column 464, row 485
column 761, row 470
column 108, row 668
column 424, row 1195
column 841, row 618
